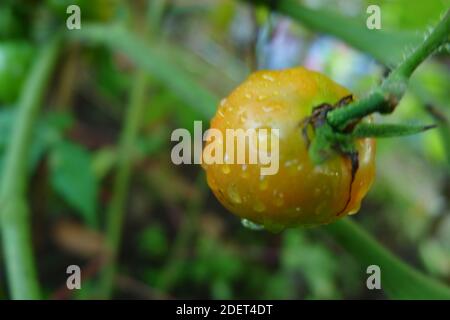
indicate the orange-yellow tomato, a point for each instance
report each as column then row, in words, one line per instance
column 300, row 193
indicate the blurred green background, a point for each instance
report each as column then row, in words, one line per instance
column 176, row 58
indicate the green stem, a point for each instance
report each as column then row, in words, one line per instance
column 116, row 209
column 399, row 280
column 128, row 137
column 14, row 213
column 386, row 97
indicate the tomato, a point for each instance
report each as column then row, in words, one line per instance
column 300, row 193
column 15, row 61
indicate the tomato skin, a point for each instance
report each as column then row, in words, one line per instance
column 300, row 193
column 15, row 61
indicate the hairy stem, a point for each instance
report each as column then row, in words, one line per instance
column 385, row 98
column 116, row 209
column 399, row 280
column 14, row 212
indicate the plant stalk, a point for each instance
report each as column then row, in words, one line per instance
column 398, row 279
column 14, row 211
column 386, row 97
column 116, row 209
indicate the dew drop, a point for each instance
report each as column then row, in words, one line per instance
column 267, row 77
column 233, row 194
column 267, row 109
column 290, row 163
column 251, row 225
column 244, row 173
column 354, row 210
column 222, row 102
column 263, row 184
column 226, row 169
column 248, row 95
column 261, row 97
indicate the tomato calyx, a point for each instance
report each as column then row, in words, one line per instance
column 328, row 141
column 319, row 116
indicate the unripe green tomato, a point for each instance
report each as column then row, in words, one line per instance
column 15, row 61
column 102, row 10
column 301, row 193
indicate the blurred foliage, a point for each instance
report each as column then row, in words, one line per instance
column 203, row 49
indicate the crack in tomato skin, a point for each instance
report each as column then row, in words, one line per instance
column 317, row 119
column 301, row 193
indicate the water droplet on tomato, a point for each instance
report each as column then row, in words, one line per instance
column 263, row 183
column 226, row 169
column 233, row 194
column 267, row 77
column 251, row 225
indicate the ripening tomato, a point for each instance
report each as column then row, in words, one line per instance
column 300, row 193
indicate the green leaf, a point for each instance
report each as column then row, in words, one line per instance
column 388, row 130
column 46, row 132
column 73, row 179
column 154, row 60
